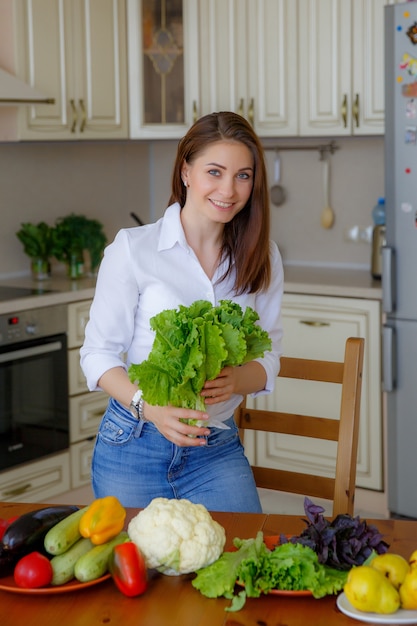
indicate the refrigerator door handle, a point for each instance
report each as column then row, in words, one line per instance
column 388, row 359
column 388, row 273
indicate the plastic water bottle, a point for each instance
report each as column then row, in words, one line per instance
column 378, row 237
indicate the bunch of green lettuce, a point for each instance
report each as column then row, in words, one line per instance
column 193, row 344
column 259, row 570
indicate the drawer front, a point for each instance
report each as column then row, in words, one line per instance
column 85, row 415
column 37, row 482
column 78, row 314
column 81, row 455
column 76, row 380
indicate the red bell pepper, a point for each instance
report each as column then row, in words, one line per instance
column 127, row 566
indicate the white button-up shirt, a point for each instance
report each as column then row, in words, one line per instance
column 151, row 268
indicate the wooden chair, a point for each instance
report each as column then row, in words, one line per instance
column 341, row 488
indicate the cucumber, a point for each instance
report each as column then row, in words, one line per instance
column 64, row 534
column 95, row 562
column 63, row 564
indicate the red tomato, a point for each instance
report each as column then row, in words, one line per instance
column 33, row 570
column 127, row 566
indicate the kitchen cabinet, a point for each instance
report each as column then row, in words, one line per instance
column 86, row 408
column 37, row 482
column 234, row 55
column 341, row 67
column 317, row 327
column 75, row 52
column 247, row 62
column 162, row 41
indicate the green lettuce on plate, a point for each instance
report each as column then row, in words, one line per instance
column 193, row 344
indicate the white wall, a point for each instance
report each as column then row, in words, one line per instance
column 106, row 181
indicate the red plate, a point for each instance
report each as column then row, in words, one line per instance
column 8, row 584
column 272, row 542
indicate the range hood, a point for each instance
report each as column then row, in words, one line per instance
column 14, row 91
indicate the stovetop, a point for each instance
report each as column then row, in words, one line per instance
column 10, row 293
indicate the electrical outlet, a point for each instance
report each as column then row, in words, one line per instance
column 359, row 234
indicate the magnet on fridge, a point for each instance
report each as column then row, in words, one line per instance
column 406, row 207
column 410, row 134
column 411, row 109
column 409, row 63
column 412, row 33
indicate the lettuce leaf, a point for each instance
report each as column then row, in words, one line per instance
column 289, row 566
column 193, row 344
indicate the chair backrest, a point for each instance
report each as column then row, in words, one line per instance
column 344, row 430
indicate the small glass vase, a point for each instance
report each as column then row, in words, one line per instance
column 40, row 268
column 75, row 267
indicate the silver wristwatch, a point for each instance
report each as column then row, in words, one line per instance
column 136, row 406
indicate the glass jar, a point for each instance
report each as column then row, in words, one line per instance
column 40, row 268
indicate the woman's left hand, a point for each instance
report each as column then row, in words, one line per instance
column 221, row 388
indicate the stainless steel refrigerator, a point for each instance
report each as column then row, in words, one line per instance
column 399, row 266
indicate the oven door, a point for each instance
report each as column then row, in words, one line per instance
column 34, row 414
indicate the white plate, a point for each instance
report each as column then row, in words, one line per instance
column 399, row 617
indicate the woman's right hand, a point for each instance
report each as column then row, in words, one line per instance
column 167, row 421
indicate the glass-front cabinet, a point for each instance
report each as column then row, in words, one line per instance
column 160, row 50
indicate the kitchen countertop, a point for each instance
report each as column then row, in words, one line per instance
column 298, row 279
column 345, row 283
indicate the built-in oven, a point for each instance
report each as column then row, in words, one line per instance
column 34, row 411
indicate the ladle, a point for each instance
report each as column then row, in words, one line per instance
column 327, row 214
column 277, row 191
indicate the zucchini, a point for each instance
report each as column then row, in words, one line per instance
column 27, row 533
column 63, row 564
column 95, row 563
column 64, row 534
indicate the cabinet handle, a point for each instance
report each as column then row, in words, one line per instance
column 74, row 116
column 343, row 110
column 83, row 116
column 355, row 110
column 195, row 114
column 240, row 108
column 251, row 112
column 316, row 323
column 17, row 491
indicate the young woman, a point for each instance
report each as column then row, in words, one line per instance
column 211, row 244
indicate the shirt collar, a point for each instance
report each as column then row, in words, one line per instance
column 172, row 231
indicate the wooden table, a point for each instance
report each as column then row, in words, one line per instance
column 172, row 601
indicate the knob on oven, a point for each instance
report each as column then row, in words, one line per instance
column 31, row 329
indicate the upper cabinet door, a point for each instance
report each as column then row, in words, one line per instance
column 247, row 62
column 162, row 46
column 341, row 67
column 368, row 114
column 325, row 67
column 74, row 51
column 272, row 58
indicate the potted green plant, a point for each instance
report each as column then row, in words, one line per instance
column 72, row 235
column 37, row 244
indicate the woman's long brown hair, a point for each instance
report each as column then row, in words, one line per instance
column 246, row 237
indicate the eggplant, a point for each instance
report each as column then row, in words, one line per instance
column 7, row 562
column 27, row 532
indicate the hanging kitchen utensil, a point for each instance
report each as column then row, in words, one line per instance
column 277, row 190
column 327, row 214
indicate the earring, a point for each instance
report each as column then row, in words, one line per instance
column 184, row 183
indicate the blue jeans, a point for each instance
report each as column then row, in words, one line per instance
column 134, row 462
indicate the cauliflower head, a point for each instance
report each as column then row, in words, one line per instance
column 177, row 536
